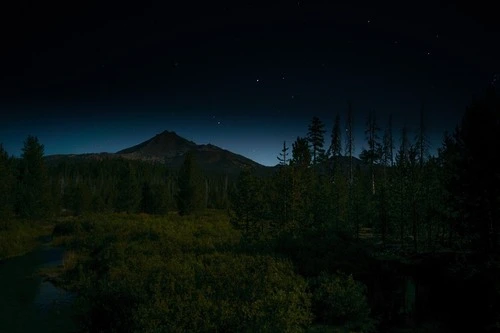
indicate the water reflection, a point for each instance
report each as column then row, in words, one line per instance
column 29, row 304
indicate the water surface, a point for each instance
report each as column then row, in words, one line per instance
column 27, row 302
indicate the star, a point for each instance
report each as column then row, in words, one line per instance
column 369, row 21
column 218, row 123
column 258, row 80
column 428, row 53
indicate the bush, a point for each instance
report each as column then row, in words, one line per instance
column 140, row 273
column 339, row 300
column 18, row 237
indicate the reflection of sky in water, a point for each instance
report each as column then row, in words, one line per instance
column 51, row 298
column 29, row 304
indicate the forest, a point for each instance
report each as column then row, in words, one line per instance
column 393, row 240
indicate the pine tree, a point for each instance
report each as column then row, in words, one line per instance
column 33, row 188
column 475, row 185
column 335, row 149
column 316, row 139
column 349, row 148
column 247, row 205
column 301, row 156
column 401, row 187
column 421, row 140
column 388, row 145
column 283, row 156
column 191, row 194
column 301, row 179
column 282, row 189
column 372, row 155
column 336, row 144
column 128, row 190
column 6, row 183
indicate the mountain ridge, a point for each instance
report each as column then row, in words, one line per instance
column 169, row 148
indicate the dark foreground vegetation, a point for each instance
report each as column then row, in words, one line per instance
column 398, row 240
column 21, row 236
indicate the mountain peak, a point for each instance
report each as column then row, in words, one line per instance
column 165, row 144
column 168, row 147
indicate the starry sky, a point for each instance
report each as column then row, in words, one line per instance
column 243, row 75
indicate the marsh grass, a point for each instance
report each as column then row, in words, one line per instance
column 142, row 273
column 18, row 236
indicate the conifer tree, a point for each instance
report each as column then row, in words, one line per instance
column 33, row 186
column 349, row 148
column 247, row 204
column 388, row 145
column 283, row 156
column 316, row 139
column 335, row 149
column 301, row 156
column 475, row 185
column 128, row 190
column 6, row 183
column 421, row 140
column 301, row 183
column 191, row 194
column 401, row 202
column 282, row 188
column 336, row 143
column 372, row 155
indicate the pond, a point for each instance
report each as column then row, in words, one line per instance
column 27, row 302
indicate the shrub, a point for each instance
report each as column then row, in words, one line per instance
column 339, row 300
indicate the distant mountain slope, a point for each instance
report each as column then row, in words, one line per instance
column 166, row 144
column 169, row 148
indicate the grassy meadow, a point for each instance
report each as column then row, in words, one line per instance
column 20, row 236
column 142, row 273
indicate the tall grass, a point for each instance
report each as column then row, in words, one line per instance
column 19, row 236
column 141, row 273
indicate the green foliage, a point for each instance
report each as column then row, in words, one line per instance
column 335, row 149
column 153, row 199
column 18, row 236
column 316, row 139
column 128, row 197
column 339, row 299
column 6, row 184
column 247, row 205
column 138, row 273
column 78, row 198
column 33, row 200
column 474, row 188
column 190, row 197
column 301, row 156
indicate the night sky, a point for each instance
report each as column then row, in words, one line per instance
column 243, row 75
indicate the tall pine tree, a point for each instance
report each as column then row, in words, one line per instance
column 6, row 183
column 316, row 138
column 33, row 199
